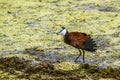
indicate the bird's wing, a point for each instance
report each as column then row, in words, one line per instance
column 78, row 36
column 77, row 39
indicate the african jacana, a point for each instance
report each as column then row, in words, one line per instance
column 79, row 40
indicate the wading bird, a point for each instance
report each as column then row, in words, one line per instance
column 79, row 40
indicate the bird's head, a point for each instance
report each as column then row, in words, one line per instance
column 62, row 31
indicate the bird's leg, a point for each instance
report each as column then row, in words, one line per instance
column 83, row 56
column 78, row 55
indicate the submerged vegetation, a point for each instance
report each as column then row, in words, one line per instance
column 30, row 48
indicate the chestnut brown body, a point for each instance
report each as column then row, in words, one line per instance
column 80, row 40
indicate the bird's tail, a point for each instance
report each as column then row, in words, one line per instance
column 90, row 45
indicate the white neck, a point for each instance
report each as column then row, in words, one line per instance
column 63, row 32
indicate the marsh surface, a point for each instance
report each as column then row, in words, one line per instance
column 28, row 33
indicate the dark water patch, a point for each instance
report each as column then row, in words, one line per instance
column 37, row 23
column 31, row 22
column 2, row 55
column 104, row 8
column 52, row 56
column 89, row 6
column 108, row 9
column 34, row 7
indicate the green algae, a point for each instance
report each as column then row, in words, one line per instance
column 30, row 23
